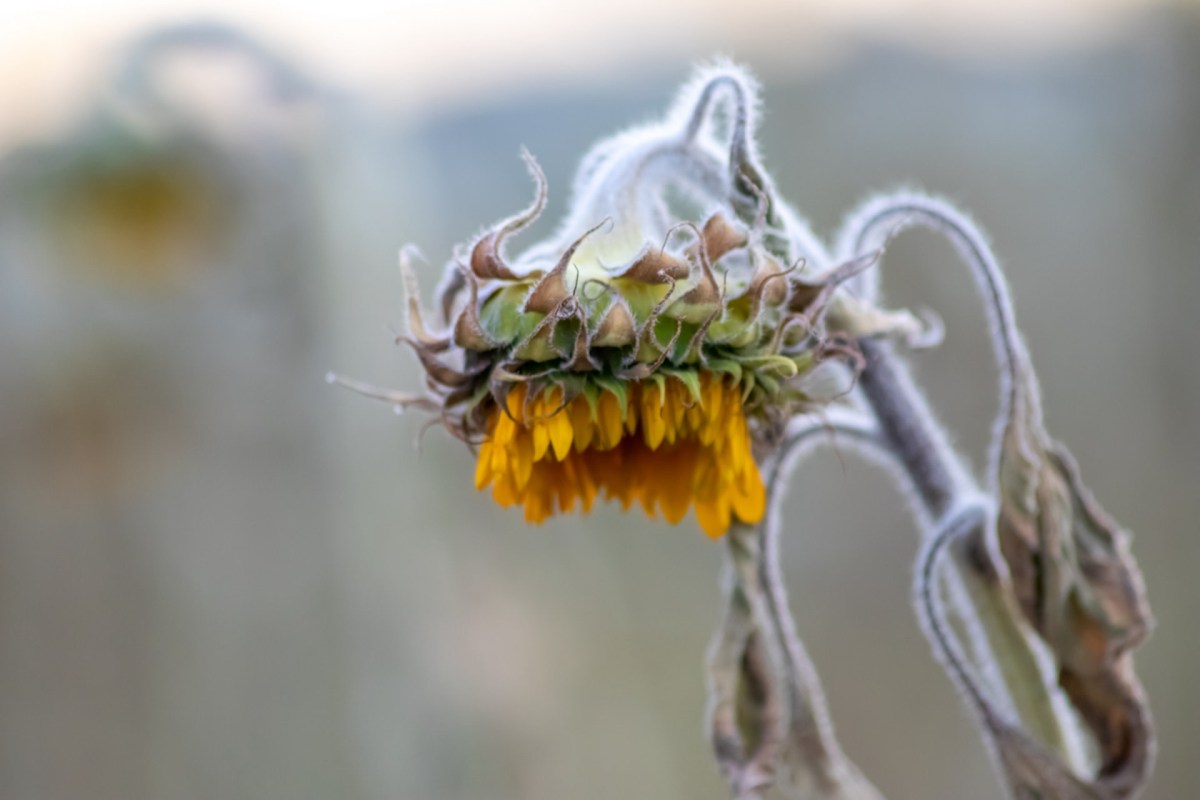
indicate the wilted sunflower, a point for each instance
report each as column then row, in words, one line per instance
column 152, row 189
column 650, row 347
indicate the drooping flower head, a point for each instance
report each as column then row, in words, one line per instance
column 644, row 351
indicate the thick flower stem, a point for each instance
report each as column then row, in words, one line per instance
column 980, row 608
column 908, row 432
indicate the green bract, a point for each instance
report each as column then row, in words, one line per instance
column 673, row 260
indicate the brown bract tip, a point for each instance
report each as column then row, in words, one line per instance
column 487, row 262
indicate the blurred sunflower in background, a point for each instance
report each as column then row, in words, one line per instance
column 138, row 211
column 159, row 180
column 158, row 256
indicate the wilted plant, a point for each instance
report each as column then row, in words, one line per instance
column 684, row 339
column 149, row 191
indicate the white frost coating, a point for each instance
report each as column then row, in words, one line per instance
column 621, row 178
column 874, row 223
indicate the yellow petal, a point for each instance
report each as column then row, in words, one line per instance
column 713, row 518
column 504, row 492
column 750, row 497
column 739, row 450
column 498, row 461
column 483, row 466
column 653, row 426
column 687, row 453
column 561, row 433
column 581, row 423
column 521, row 459
column 631, row 409
column 608, row 423
column 587, row 486
column 506, row 429
column 515, row 402
column 714, row 395
column 677, row 484
column 541, row 440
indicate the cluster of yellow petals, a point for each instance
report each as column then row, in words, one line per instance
column 668, row 451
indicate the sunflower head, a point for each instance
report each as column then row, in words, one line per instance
column 646, row 350
column 141, row 214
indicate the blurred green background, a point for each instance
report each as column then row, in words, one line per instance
column 220, row 578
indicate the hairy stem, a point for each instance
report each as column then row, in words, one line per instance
column 758, row 635
column 880, row 220
column 909, row 432
column 939, row 482
column 916, row 443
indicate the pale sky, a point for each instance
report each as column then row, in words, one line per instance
column 421, row 53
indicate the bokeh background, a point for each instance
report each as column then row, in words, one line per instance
column 221, row 578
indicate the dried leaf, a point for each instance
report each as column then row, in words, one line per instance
column 857, row 318
column 617, row 328
column 469, row 332
column 768, row 719
column 655, row 265
column 549, row 293
column 1033, row 773
column 1078, row 585
column 720, row 236
column 412, row 297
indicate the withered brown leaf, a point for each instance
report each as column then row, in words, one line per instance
column 1079, row 587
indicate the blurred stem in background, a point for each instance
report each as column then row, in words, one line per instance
column 165, row 504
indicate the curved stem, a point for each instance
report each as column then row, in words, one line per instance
column 910, row 433
column 940, row 482
column 932, row 612
column 937, row 475
column 135, row 79
column 795, row 725
column 750, row 191
column 881, row 219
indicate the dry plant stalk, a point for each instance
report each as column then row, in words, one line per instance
column 684, row 340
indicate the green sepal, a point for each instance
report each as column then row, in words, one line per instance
column 573, row 385
column 748, row 385
column 641, row 297
column 689, row 378
column 502, row 318
column 782, row 365
column 591, row 393
column 693, row 313
column 661, row 382
column 563, row 336
column 768, row 384
column 539, row 345
column 803, row 361
column 617, row 387
column 725, row 366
